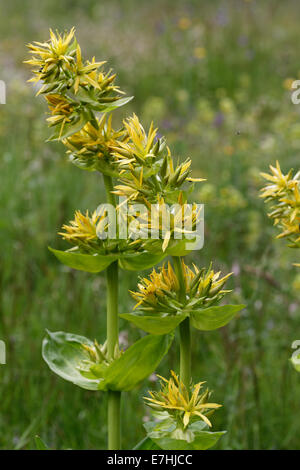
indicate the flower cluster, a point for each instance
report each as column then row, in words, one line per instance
column 166, row 223
column 91, row 147
column 181, row 404
column 74, row 88
column 98, row 359
column 149, row 173
column 283, row 194
column 90, row 234
column 160, row 293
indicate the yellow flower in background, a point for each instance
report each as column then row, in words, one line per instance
column 284, row 195
column 184, row 405
column 184, row 23
column 280, row 182
column 228, row 150
column 199, row 52
column 287, row 83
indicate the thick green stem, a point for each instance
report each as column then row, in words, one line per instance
column 108, row 189
column 112, row 308
column 185, row 352
column 184, row 329
column 114, row 425
column 114, row 398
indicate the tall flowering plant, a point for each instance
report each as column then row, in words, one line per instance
column 138, row 167
column 282, row 193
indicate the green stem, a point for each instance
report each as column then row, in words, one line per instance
column 184, row 329
column 108, row 189
column 185, row 352
column 114, row 398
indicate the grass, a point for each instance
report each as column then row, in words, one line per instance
column 212, row 76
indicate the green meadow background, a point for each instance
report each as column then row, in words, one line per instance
column 215, row 77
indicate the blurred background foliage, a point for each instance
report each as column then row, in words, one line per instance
column 215, row 77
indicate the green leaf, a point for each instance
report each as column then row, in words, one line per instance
column 193, row 438
column 203, row 440
column 63, row 353
column 69, row 128
column 84, row 262
column 96, row 263
column 154, row 324
column 140, row 261
column 212, row 318
column 146, row 444
column 107, row 107
column 175, row 247
column 92, row 163
column 137, row 362
column 40, row 444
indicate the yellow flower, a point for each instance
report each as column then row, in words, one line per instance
column 91, row 234
column 60, row 109
column 184, row 23
column 58, row 64
column 199, row 52
column 139, row 145
column 280, row 182
column 93, row 142
column 160, row 293
column 169, row 223
column 149, row 173
column 182, row 404
column 49, row 57
column 228, row 150
column 288, row 82
column 97, row 359
column 152, row 290
column 84, row 72
column 82, row 229
column 284, row 195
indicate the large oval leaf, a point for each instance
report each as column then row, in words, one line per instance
column 137, row 362
column 146, row 444
column 196, row 438
column 204, row 440
column 140, row 261
column 63, row 353
column 174, row 248
column 96, row 263
column 107, row 107
column 90, row 263
column 155, row 325
column 212, row 318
